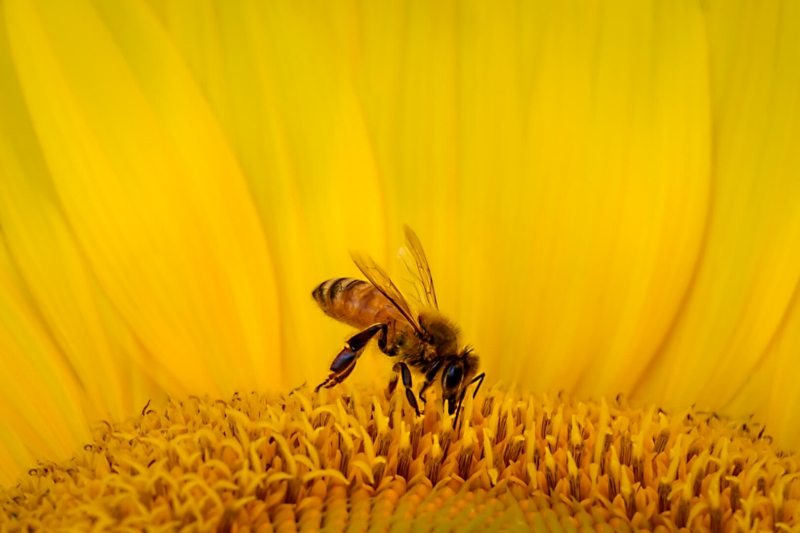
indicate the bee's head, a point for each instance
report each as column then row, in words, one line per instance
column 456, row 376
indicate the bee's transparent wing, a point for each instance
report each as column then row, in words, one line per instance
column 416, row 263
column 381, row 281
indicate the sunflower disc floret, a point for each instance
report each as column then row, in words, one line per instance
column 354, row 459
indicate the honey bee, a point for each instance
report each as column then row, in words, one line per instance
column 427, row 343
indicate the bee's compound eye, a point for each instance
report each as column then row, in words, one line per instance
column 452, row 376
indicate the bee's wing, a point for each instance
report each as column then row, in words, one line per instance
column 381, row 281
column 420, row 270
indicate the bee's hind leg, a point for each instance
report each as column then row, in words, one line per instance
column 345, row 362
column 405, row 374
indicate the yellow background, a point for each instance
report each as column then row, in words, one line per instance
column 608, row 194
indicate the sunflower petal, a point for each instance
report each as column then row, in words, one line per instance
column 275, row 75
column 41, row 405
column 734, row 332
column 154, row 196
column 759, row 113
column 571, row 274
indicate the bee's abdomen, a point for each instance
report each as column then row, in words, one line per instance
column 354, row 302
column 329, row 293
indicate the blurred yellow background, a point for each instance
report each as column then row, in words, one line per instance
column 608, row 194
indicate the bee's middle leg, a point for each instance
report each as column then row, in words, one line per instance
column 345, row 362
column 430, row 375
column 405, row 374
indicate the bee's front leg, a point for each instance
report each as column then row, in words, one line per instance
column 479, row 380
column 345, row 362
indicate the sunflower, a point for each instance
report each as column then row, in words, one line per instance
column 607, row 192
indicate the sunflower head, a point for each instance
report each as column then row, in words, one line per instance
column 358, row 457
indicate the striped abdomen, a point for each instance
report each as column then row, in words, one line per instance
column 356, row 303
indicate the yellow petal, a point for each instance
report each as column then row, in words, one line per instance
column 731, row 343
column 63, row 290
column 277, row 78
column 40, row 401
column 172, row 237
column 584, row 236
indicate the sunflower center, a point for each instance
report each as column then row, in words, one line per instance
column 353, row 458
